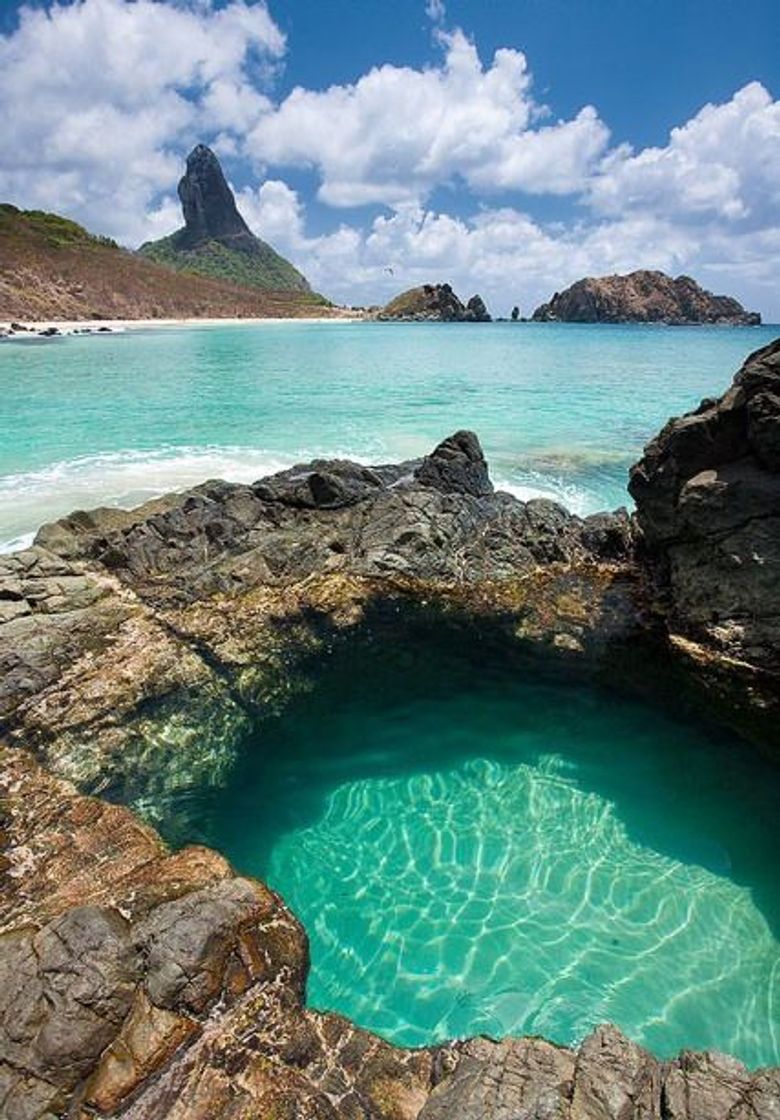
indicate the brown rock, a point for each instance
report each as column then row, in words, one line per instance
column 642, row 297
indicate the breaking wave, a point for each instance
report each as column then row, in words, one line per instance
column 124, row 479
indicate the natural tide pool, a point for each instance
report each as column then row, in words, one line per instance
column 473, row 849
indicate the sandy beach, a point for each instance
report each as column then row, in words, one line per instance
column 69, row 326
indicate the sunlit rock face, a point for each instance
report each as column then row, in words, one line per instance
column 643, row 296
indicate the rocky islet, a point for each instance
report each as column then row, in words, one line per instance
column 434, row 303
column 644, row 296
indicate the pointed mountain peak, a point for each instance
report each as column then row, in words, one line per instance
column 215, row 240
column 210, row 211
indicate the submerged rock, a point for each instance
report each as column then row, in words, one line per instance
column 643, row 297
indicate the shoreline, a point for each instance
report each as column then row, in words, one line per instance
column 69, row 326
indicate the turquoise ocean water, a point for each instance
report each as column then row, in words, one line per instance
column 469, row 851
column 561, row 410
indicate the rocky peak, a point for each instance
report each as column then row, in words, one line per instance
column 215, row 240
column 210, row 210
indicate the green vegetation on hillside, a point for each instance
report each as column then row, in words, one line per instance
column 55, row 231
column 262, row 268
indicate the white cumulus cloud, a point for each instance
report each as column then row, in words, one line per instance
column 724, row 163
column 100, row 96
column 101, row 100
column 397, row 133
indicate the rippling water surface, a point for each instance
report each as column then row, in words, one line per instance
column 562, row 410
column 474, row 852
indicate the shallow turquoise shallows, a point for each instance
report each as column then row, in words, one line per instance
column 562, row 410
column 472, row 850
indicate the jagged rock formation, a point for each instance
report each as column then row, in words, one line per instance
column 642, row 297
column 210, row 211
column 708, row 501
column 215, row 240
column 434, row 303
column 143, row 984
column 53, row 269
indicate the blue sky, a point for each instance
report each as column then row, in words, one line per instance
column 508, row 146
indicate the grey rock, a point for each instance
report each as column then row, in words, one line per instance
column 210, row 210
column 517, row 1079
column 708, row 504
column 67, row 988
column 457, row 466
column 188, row 944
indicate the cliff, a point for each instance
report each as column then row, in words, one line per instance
column 215, row 240
column 434, row 303
column 642, row 297
column 708, row 505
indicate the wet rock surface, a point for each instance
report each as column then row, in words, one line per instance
column 138, row 646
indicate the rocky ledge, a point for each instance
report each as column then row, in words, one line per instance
column 434, row 303
column 643, row 297
column 136, row 648
column 155, row 986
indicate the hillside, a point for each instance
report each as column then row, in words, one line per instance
column 643, row 297
column 52, row 268
column 215, row 240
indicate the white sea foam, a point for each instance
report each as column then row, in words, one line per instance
column 120, row 478
column 124, row 479
column 573, row 498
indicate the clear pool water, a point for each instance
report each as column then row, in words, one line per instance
column 471, row 851
column 562, row 410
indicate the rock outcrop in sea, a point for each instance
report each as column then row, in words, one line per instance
column 215, row 240
column 434, row 303
column 643, row 297
column 136, row 649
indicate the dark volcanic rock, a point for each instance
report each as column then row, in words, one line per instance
column 207, row 201
column 708, row 503
column 215, row 240
column 642, row 297
column 138, row 647
column 476, row 311
column 457, row 466
column 434, row 303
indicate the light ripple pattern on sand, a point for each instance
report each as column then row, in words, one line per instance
column 511, row 858
column 572, row 922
